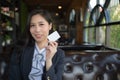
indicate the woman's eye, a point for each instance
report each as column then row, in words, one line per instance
column 41, row 24
column 32, row 25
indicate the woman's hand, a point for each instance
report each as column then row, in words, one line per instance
column 51, row 49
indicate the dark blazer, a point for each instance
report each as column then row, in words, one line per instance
column 20, row 65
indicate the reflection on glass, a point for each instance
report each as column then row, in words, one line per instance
column 72, row 17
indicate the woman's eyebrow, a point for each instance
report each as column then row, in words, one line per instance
column 40, row 22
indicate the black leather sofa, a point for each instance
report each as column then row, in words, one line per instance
column 82, row 63
column 97, row 64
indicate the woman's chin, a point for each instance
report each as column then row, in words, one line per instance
column 38, row 40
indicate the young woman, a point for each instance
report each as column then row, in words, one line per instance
column 40, row 59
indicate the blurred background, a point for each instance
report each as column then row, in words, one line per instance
column 84, row 25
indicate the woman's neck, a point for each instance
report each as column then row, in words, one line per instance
column 42, row 44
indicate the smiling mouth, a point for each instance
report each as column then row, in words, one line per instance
column 38, row 36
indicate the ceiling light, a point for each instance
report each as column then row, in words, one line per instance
column 59, row 7
column 57, row 14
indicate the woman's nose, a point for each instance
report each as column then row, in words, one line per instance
column 37, row 29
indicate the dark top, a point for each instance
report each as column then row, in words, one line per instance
column 20, row 65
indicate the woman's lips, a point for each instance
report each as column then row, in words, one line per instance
column 38, row 36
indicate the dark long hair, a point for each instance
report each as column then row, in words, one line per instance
column 21, row 44
column 29, row 39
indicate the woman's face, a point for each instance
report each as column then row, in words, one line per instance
column 39, row 28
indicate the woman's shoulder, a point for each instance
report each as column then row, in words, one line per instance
column 16, row 54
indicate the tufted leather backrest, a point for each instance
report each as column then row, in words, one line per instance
column 92, row 66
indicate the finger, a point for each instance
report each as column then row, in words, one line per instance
column 53, row 44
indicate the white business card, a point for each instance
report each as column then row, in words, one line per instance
column 54, row 36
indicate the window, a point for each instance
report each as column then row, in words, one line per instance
column 101, row 25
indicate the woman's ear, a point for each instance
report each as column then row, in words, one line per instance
column 50, row 26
